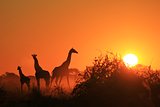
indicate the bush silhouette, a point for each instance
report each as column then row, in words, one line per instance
column 110, row 83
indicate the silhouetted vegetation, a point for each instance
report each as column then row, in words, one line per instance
column 110, row 83
column 107, row 83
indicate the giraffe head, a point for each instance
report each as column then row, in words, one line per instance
column 18, row 68
column 34, row 55
column 73, row 51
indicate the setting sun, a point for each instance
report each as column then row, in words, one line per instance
column 130, row 60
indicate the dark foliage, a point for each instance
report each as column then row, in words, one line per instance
column 110, row 83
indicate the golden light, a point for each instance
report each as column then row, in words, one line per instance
column 130, row 60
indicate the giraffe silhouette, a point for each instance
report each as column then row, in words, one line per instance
column 23, row 79
column 40, row 73
column 62, row 70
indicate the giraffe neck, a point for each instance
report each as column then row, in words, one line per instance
column 36, row 65
column 68, row 59
column 20, row 73
column 69, row 56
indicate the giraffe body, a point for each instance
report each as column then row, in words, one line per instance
column 59, row 72
column 40, row 73
column 23, row 79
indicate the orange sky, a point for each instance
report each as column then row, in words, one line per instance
column 50, row 28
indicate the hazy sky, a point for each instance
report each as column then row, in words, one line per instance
column 50, row 28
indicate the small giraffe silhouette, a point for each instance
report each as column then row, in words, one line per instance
column 23, row 79
column 40, row 73
column 62, row 70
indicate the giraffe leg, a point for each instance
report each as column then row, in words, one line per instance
column 60, row 80
column 47, row 83
column 21, row 87
column 28, row 84
column 56, row 81
column 51, row 81
column 68, row 81
column 38, row 84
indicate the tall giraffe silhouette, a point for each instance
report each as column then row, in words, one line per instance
column 40, row 73
column 23, row 79
column 62, row 70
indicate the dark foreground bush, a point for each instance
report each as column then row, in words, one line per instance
column 110, row 83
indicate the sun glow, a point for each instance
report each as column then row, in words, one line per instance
column 130, row 60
